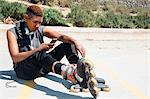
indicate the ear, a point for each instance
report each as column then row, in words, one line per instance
column 25, row 17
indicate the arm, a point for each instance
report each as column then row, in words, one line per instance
column 14, row 50
column 64, row 38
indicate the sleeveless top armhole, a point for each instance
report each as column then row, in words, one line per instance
column 13, row 31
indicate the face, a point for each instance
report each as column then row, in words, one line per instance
column 34, row 22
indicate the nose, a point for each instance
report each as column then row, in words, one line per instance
column 37, row 25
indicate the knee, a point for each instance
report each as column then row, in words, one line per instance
column 73, row 59
column 56, row 67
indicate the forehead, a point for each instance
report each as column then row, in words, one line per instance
column 38, row 18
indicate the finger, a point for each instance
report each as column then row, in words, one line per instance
column 51, row 44
column 47, row 47
column 82, row 52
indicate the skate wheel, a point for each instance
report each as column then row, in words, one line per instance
column 106, row 89
column 75, row 88
column 97, row 90
column 94, row 81
column 85, row 90
column 92, row 73
column 88, row 63
column 100, row 80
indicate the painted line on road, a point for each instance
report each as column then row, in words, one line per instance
column 26, row 90
column 128, row 86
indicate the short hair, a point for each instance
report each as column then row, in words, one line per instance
column 34, row 10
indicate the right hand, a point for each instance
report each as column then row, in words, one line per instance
column 45, row 47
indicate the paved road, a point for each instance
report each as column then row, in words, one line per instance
column 120, row 56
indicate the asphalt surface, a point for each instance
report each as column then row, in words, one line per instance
column 120, row 56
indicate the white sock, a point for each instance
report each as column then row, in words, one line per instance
column 64, row 67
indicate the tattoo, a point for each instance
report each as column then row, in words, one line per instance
column 61, row 38
column 66, row 39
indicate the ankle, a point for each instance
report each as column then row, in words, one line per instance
column 68, row 73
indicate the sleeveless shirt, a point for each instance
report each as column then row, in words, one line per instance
column 27, row 40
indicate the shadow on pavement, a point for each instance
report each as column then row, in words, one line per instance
column 11, row 76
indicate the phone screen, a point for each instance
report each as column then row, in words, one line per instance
column 53, row 40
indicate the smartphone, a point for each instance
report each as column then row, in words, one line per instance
column 53, row 41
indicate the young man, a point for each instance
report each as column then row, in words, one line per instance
column 29, row 52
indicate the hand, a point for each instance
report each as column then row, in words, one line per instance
column 51, row 45
column 80, row 48
column 45, row 47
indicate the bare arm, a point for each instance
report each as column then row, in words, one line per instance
column 14, row 50
column 64, row 38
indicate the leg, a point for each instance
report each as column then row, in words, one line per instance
column 29, row 68
column 26, row 69
column 65, row 49
column 67, row 72
column 75, row 73
column 39, row 62
column 68, row 50
column 49, row 64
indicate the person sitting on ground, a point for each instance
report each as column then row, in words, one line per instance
column 30, row 54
